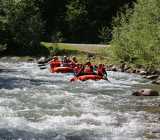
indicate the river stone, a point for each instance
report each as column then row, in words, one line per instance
column 156, row 131
column 146, row 92
column 114, row 68
column 142, row 72
column 152, row 77
column 156, row 82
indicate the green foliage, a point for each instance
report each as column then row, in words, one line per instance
column 24, row 23
column 26, row 27
column 5, row 7
column 60, row 48
column 21, row 26
column 136, row 34
column 76, row 18
column 57, row 37
column 79, row 20
column 76, row 10
column 104, row 34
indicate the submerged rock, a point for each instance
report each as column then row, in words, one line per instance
column 146, row 92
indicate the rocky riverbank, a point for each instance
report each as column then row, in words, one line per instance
column 153, row 75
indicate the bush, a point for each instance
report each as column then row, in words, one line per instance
column 136, row 34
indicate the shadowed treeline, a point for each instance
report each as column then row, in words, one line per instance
column 25, row 23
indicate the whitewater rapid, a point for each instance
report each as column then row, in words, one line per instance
column 39, row 105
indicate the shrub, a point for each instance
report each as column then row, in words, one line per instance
column 136, row 34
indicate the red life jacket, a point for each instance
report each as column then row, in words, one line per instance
column 76, row 69
column 88, row 71
column 101, row 71
column 56, row 63
column 72, row 64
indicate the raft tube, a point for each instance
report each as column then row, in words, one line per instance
column 87, row 77
column 61, row 70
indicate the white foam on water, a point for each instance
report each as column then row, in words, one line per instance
column 78, row 107
column 101, row 125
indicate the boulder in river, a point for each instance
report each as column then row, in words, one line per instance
column 146, row 92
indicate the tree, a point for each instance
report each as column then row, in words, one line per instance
column 86, row 19
column 25, row 25
column 136, row 35
column 77, row 19
column 53, row 13
column 5, row 7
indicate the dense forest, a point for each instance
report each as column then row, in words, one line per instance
column 131, row 27
column 24, row 23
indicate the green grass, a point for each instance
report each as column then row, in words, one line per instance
column 102, row 55
column 59, row 45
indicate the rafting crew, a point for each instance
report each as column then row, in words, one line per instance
column 79, row 69
column 89, row 69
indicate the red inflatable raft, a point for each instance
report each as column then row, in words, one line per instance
column 87, row 77
column 61, row 70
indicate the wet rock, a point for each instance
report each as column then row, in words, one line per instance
column 114, row 68
column 156, row 131
column 151, row 77
column 133, row 70
column 130, row 70
column 144, row 76
column 146, row 92
column 142, row 72
column 154, row 72
column 156, row 82
column 122, row 67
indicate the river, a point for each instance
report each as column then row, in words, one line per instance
column 38, row 105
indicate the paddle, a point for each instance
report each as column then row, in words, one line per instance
column 43, row 62
column 42, row 68
column 43, row 65
column 105, row 78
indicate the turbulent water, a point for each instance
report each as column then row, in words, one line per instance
column 38, row 105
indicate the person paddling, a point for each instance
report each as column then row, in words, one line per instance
column 89, row 70
column 66, row 61
column 80, row 71
column 55, row 62
column 101, row 71
column 73, row 62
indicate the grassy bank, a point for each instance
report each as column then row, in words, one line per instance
column 100, row 54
